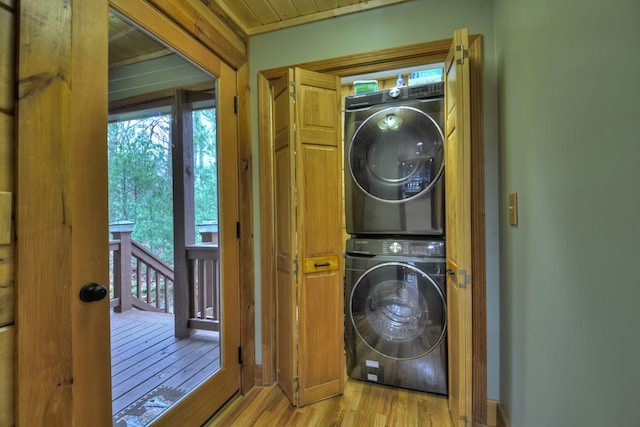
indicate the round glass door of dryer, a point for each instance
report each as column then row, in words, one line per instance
column 396, row 153
column 398, row 310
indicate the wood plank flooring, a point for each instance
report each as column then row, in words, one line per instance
column 362, row 404
column 145, row 354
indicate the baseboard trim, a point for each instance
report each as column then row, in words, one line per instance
column 502, row 420
column 257, row 375
column 492, row 413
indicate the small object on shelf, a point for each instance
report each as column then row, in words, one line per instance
column 364, row 86
column 433, row 75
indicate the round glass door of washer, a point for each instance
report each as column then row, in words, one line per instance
column 398, row 310
column 397, row 153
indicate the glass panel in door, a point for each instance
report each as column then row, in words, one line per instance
column 164, row 218
column 398, row 310
column 397, row 153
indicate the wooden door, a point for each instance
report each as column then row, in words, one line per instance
column 308, row 195
column 284, row 235
column 319, row 209
column 63, row 360
column 458, row 220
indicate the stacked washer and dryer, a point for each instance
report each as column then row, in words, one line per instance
column 395, row 325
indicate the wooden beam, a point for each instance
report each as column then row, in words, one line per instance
column 183, row 208
column 7, row 60
column 478, row 250
column 247, row 279
column 7, row 359
column 199, row 21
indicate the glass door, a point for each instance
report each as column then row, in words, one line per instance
column 169, row 332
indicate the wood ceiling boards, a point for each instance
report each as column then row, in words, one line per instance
column 261, row 16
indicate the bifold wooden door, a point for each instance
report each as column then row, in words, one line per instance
column 307, row 211
column 458, row 234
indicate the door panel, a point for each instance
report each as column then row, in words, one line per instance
column 320, row 204
column 307, row 229
column 458, row 238
column 284, row 232
column 319, row 192
column 62, row 363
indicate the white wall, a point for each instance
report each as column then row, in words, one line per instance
column 570, row 295
column 409, row 23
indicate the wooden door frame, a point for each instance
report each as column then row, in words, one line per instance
column 368, row 62
column 62, row 113
column 194, row 19
column 196, row 34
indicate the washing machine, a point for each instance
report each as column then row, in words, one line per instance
column 394, row 161
column 396, row 312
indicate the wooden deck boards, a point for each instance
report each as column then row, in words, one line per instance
column 145, row 354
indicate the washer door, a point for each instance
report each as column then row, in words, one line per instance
column 397, row 153
column 398, row 310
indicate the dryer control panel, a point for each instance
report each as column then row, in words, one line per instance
column 429, row 90
column 390, row 247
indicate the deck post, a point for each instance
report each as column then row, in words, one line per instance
column 209, row 235
column 184, row 227
column 122, row 266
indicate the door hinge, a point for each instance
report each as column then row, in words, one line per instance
column 293, row 90
column 297, row 381
column 240, row 355
column 237, row 229
column 295, row 267
column 465, row 279
column 235, row 105
column 462, row 53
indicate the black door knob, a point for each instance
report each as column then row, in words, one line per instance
column 92, row 292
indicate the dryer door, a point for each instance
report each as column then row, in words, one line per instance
column 398, row 310
column 397, row 153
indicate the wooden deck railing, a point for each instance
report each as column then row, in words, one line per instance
column 150, row 285
column 204, row 274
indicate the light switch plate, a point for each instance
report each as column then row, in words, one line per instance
column 513, row 208
column 5, row 217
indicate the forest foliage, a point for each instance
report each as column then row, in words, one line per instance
column 140, row 177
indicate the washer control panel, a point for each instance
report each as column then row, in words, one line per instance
column 407, row 248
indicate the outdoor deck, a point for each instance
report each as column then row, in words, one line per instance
column 146, row 355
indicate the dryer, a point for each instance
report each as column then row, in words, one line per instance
column 396, row 315
column 394, row 161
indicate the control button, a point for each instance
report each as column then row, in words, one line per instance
column 395, row 247
column 394, row 93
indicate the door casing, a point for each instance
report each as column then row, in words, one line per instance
column 369, row 62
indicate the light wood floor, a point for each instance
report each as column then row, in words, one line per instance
column 362, row 404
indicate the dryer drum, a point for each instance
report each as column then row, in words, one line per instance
column 396, row 154
column 394, row 162
column 398, row 310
